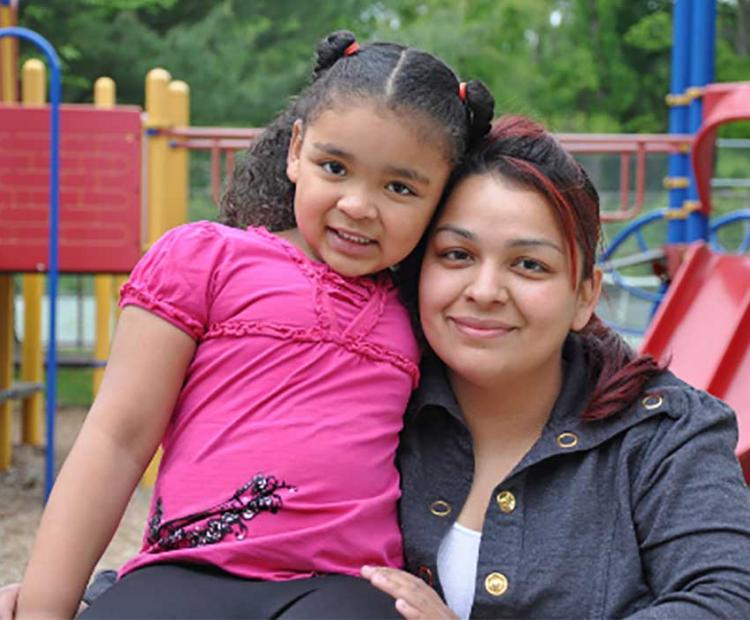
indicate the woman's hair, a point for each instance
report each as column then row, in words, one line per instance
column 522, row 152
column 404, row 79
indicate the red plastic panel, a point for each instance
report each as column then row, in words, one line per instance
column 704, row 324
column 100, row 188
column 722, row 103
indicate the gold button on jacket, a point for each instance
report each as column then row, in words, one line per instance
column 440, row 508
column 496, row 584
column 506, row 501
column 567, row 440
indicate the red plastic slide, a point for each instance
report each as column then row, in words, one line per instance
column 704, row 324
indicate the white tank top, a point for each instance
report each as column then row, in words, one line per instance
column 457, row 568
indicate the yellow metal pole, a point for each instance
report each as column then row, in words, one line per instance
column 8, row 57
column 33, row 92
column 6, row 369
column 157, row 117
column 8, row 94
column 178, row 104
column 104, row 97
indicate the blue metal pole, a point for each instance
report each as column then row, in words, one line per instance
column 679, row 163
column 53, row 269
column 702, row 64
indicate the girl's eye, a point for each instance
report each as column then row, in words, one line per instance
column 333, row 167
column 400, row 189
column 529, row 264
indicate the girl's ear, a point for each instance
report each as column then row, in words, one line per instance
column 293, row 154
column 588, row 296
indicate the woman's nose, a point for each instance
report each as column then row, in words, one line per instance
column 488, row 287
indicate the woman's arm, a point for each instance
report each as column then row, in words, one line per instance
column 691, row 510
column 143, row 378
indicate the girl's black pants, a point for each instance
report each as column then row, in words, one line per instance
column 193, row 591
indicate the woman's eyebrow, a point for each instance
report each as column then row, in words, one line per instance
column 514, row 243
column 461, row 232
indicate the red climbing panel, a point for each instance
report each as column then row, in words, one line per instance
column 100, row 188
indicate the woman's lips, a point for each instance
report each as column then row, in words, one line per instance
column 481, row 328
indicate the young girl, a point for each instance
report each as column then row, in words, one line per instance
column 272, row 360
column 547, row 470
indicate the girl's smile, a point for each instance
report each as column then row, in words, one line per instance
column 368, row 179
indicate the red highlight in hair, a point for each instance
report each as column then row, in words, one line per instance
column 522, row 151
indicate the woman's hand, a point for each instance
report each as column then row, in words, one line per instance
column 414, row 598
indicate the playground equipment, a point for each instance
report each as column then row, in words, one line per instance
column 702, row 319
column 54, row 166
column 106, row 222
column 160, row 140
column 703, row 323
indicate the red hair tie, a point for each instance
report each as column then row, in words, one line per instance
column 462, row 91
column 352, row 49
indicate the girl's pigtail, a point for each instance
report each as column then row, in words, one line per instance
column 260, row 193
column 330, row 49
column 481, row 106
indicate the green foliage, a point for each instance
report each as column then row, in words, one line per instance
column 75, row 387
column 579, row 65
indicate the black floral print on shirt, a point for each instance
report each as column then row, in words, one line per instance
column 261, row 494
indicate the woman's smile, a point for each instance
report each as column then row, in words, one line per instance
column 480, row 328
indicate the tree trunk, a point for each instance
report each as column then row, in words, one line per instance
column 743, row 17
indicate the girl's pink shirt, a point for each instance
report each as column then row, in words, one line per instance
column 300, row 374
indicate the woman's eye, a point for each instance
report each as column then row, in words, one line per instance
column 400, row 189
column 529, row 264
column 333, row 167
column 455, row 255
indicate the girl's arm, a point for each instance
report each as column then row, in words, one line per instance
column 122, row 430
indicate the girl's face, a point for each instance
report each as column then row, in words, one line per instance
column 495, row 295
column 367, row 180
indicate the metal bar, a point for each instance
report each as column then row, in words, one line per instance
column 248, row 133
column 633, row 259
column 216, row 173
column 53, row 272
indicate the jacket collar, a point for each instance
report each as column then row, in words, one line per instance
column 565, row 430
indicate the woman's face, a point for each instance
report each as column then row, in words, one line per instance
column 495, row 295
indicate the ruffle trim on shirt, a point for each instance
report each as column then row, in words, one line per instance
column 130, row 294
column 351, row 343
column 322, row 272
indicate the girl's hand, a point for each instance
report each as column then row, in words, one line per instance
column 8, row 599
column 414, row 598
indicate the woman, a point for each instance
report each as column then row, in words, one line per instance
column 547, row 472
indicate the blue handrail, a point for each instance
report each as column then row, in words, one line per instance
column 53, row 270
column 726, row 220
column 634, row 229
